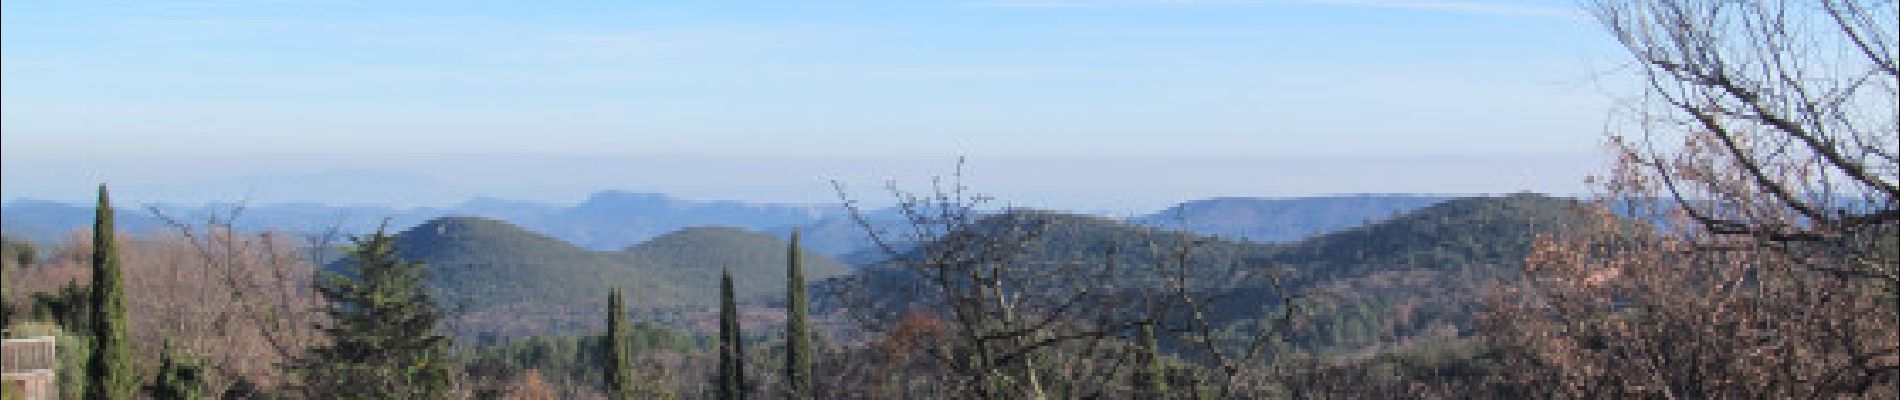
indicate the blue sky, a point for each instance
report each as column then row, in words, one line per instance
column 196, row 98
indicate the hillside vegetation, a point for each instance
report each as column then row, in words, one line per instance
column 1416, row 274
column 504, row 281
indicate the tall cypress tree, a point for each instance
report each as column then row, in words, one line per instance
column 732, row 385
column 618, row 366
column 798, row 350
column 382, row 330
column 108, row 370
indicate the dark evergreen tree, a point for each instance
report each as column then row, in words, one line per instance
column 618, row 365
column 1151, row 378
column 798, row 351
column 12, row 255
column 732, row 383
column 109, row 369
column 180, row 376
column 6, row 308
column 70, row 306
column 382, row 330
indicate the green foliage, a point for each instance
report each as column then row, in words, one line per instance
column 17, row 253
column 73, row 352
column 11, row 392
column 1460, row 233
column 109, row 370
column 1151, row 380
column 686, row 260
column 382, row 330
column 1415, row 274
column 69, row 306
column 617, row 360
column 13, row 255
column 798, row 350
column 732, row 382
column 573, row 361
column 74, row 377
column 6, row 307
column 506, row 283
column 180, row 376
column 1444, row 367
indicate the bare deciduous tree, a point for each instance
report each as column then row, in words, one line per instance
column 1768, row 166
column 238, row 300
column 265, row 277
column 1616, row 310
column 1770, row 119
column 993, row 308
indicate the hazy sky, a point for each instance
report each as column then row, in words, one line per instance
column 1075, row 103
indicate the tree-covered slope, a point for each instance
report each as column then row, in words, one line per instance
column 1452, row 234
column 499, row 280
column 1418, row 273
column 694, row 256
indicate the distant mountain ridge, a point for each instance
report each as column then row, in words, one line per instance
column 1272, row 220
column 504, row 281
column 607, row 220
column 501, row 279
column 613, row 220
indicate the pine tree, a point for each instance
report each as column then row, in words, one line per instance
column 108, row 371
column 383, row 340
column 1151, row 380
column 798, row 350
column 180, row 376
column 618, row 366
column 732, row 384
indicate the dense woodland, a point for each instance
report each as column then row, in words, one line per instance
column 1743, row 243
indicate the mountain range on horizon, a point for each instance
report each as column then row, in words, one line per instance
column 612, row 220
column 506, row 274
column 1414, row 276
column 502, row 281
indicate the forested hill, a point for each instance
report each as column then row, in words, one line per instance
column 1432, row 262
column 1460, row 232
column 504, row 281
column 1485, row 231
column 696, row 255
column 1420, row 276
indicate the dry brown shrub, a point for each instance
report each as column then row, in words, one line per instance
column 241, row 303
